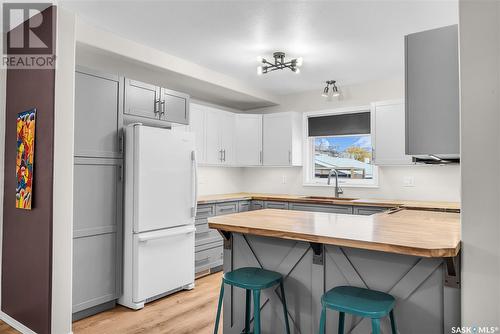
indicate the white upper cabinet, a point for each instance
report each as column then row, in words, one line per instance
column 219, row 136
column 388, row 133
column 197, row 126
column 248, row 139
column 282, row 139
column 227, row 120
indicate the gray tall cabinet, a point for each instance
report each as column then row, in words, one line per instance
column 104, row 103
column 98, row 187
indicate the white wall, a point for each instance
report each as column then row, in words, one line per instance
column 480, row 135
column 439, row 183
column 219, row 180
column 430, row 182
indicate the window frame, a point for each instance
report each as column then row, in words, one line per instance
column 308, row 149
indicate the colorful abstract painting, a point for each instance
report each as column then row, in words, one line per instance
column 25, row 158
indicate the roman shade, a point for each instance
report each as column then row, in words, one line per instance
column 339, row 125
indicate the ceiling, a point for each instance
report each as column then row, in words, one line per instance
column 349, row 41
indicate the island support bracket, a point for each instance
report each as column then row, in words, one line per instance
column 228, row 240
column 452, row 271
column 318, row 253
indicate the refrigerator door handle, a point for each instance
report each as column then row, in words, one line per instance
column 195, row 184
column 165, row 234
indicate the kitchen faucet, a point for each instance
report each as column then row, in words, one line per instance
column 338, row 190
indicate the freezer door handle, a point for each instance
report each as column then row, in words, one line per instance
column 195, row 184
column 165, row 234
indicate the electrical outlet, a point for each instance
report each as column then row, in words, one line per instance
column 409, row 181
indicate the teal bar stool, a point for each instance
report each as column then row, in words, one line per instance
column 358, row 301
column 253, row 280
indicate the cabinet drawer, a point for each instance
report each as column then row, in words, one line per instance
column 347, row 209
column 276, row 205
column 205, row 210
column 243, row 206
column 257, row 205
column 208, row 256
column 368, row 210
column 206, row 235
column 226, row 208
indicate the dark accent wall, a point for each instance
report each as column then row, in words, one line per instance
column 27, row 235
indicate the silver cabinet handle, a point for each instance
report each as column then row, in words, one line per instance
column 290, row 157
column 157, row 106
column 163, row 108
column 224, row 155
column 220, row 155
column 260, row 157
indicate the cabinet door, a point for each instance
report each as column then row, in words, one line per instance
column 227, row 137
column 174, row 107
column 142, row 99
column 213, row 148
column 197, row 126
column 97, row 232
column 248, row 139
column 94, row 273
column 98, row 103
column 277, row 139
column 388, row 133
column 432, row 92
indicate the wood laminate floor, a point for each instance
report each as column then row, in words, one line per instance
column 6, row 329
column 181, row 313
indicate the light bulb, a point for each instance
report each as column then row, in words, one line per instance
column 299, row 61
column 259, row 70
column 325, row 92
column 260, row 59
column 297, row 70
column 335, row 92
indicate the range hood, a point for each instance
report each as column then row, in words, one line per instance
column 432, row 96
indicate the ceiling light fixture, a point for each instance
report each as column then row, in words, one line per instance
column 330, row 91
column 279, row 64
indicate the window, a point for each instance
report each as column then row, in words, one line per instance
column 341, row 141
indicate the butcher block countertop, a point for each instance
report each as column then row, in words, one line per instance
column 424, row 205
column 409, row 232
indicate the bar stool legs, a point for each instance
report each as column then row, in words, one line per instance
column 375, row 326
column 341, row 322
column 285, row 311
column 393, row 322
column 322, row 321
column 253, row 280
column 219, row 307
column 248, row 299
column 256, row 311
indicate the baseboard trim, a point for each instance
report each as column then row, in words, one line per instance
column 15, row 324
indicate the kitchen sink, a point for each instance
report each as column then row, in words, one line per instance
column 330, row 198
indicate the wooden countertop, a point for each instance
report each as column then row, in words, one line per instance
column 426, row 205
column 409, row 232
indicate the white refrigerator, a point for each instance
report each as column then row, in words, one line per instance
column 159, row 211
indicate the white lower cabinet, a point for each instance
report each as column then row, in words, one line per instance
column 388, row 133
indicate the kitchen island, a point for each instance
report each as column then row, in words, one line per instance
column 410, row 254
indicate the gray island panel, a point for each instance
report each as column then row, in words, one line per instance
column 424, row 304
